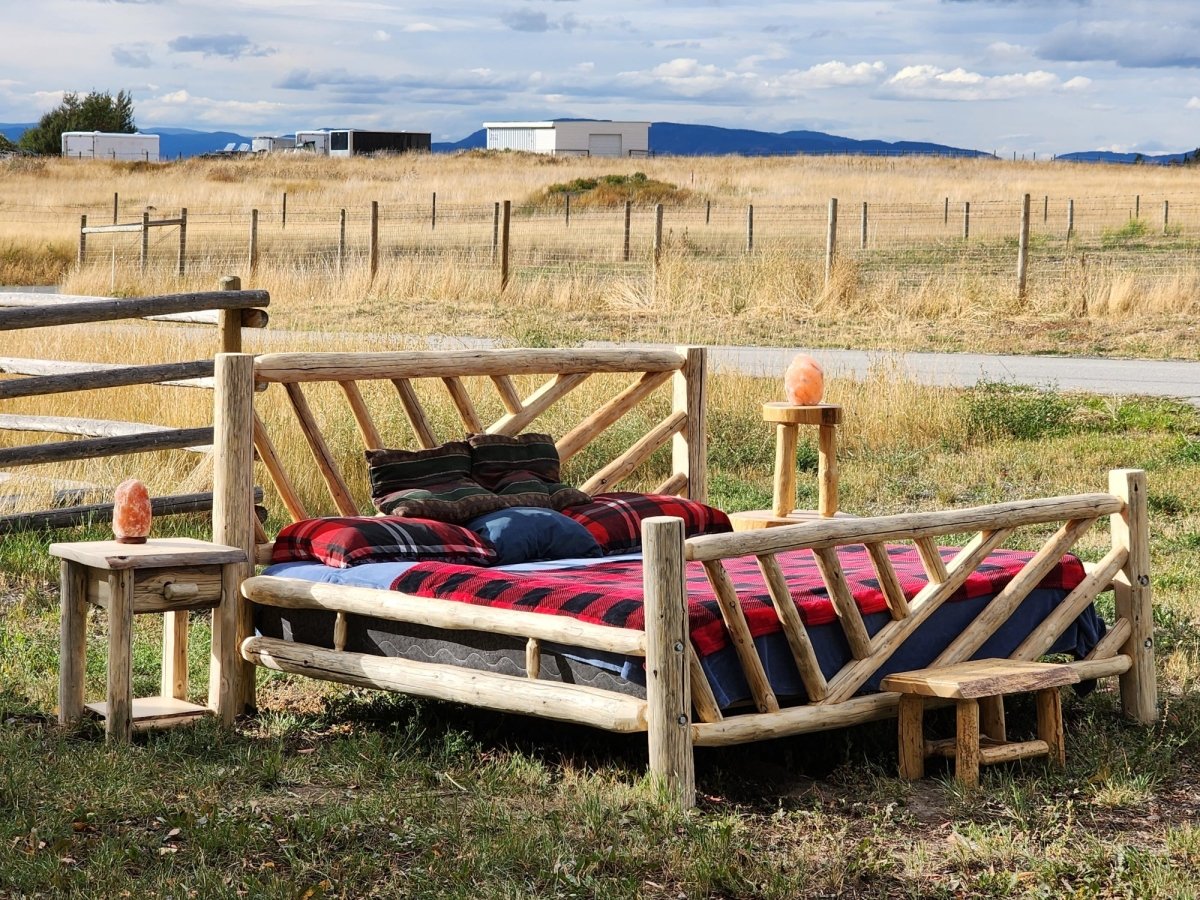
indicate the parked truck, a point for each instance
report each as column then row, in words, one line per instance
column 110, row 145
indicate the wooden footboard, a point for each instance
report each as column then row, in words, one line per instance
column 1126, row 650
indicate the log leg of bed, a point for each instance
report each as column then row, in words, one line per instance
column 231, row 679
column 668, row 693
column 1131, row 587
column 911, row 732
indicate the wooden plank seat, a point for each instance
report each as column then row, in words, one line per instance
column 979, row 688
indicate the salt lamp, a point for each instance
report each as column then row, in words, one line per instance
column 804, row 381
column 131, row 512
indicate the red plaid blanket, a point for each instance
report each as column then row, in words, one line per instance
column 611, row 593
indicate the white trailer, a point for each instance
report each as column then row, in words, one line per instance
column 110, row 145
column 585, row 137
column 272, row 144
column 313, row 142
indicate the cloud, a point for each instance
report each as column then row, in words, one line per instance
column 133, row 56
column 183, row 107
column 925, row 82
column 418, row 27
column 455, row 88
column 1194, row 103
column 689, row 78
column 536, row 21
column 380, row 36
column 229, row 46
column 1129, row 44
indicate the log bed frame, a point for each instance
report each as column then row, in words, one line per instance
column 679, row 711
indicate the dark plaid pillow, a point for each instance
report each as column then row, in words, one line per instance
column 615, row 519
column 429, row 484
column 523, row 469
column 352, row 540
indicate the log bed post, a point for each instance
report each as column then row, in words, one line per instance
column 689, row 448
column 1131, row 588
column 231, row 679
column 668, row 693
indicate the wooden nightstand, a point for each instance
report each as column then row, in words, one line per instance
column 164, row 575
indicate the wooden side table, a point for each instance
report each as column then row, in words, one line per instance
column 165, row 575
column 975, row 685
column 787, row 418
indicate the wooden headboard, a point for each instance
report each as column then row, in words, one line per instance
column 472, row 380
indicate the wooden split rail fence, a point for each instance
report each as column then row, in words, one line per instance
column 229, row 309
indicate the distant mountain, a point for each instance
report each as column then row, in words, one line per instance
column 709, row 140
column 1107, row 156
column 13, row 132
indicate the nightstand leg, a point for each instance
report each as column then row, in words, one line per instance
column 1050, row 724
column 991, row 718
column 911, row 732
column 175, row 655
column 72, row 648
column 966, row 748
column 119, row 707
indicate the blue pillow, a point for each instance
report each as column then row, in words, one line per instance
column 526, row 533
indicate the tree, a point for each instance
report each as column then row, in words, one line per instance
column 95, row 112
column 6, row 146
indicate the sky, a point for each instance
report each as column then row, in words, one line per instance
column 1005, row 75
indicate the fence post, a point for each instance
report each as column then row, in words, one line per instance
column 946, row 212
column 628, row 215
column 1070, row 218
column 862, row 237
column 567, row 209
column 283, row 213
column 82, row 241
column 1045, row 208
column 750, row 228
column 707, row 211
column 1166, row 214
column 252, row 261
column 230, row 320
column 966, row 219
column 658, row 214
column 1023, row 249
column 504, row 244
column 830, row 241
column 433, row 212
column 145, row 257
column 115, row 200
column 373, row 247
column 1137, row 206
column 182, row 242
column 495, row 230
column 341, row 251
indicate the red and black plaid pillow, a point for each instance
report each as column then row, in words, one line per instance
column 353, row 540
column 615, row 520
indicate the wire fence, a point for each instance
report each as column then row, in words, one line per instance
column 905, row 243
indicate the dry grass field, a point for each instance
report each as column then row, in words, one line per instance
column 1125, row 282
column 341, row 793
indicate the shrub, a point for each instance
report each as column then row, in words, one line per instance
column 998, row 410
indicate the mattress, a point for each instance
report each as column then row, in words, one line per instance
column 613, row 579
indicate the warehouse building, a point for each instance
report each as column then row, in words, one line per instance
column 590, row 137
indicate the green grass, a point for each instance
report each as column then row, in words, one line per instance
column 342, row 793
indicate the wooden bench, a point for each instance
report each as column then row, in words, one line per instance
column 979, row 687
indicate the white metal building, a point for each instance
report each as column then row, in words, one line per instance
column 110, row 145
column 592, row 137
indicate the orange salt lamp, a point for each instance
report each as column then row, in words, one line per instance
column 131, row 512
column 804, row 381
